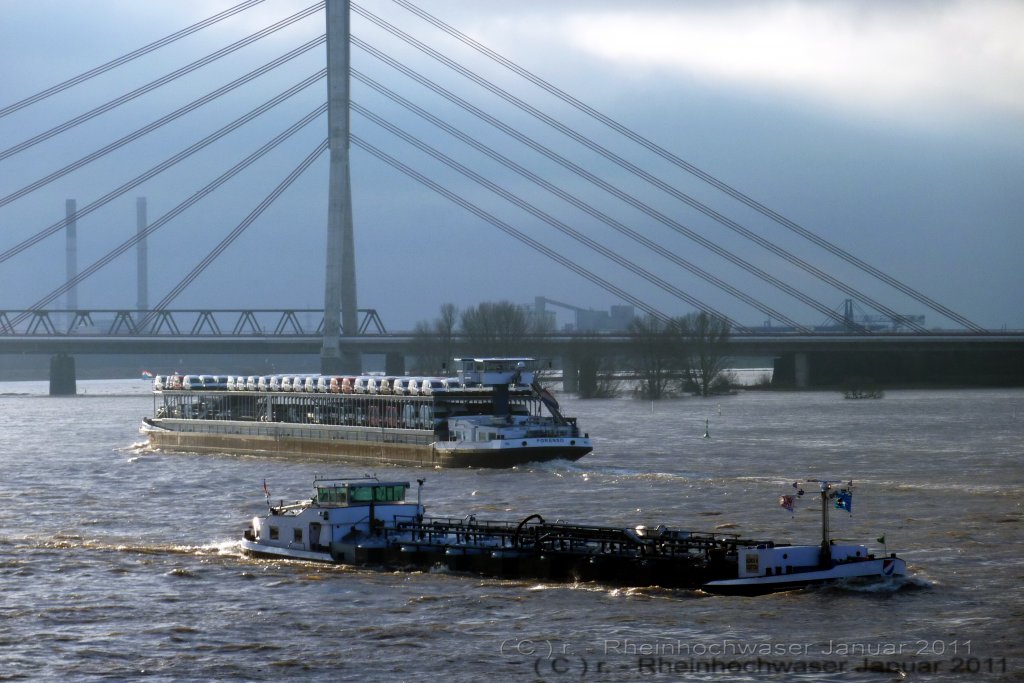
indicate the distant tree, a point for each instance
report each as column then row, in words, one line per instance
column 597, row 378
column 497, row 329
column 655, row 350
column 704, row 337
column 435, row 341
column 445, row 328
column 595, row 367
column 488, row 329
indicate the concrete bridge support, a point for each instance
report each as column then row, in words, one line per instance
column 801, row 370
column 394, row 364
column 71, row 251
column 992, row 367
column 62, row 375
column 141, row 256
column 587, row 385
column 340, row 279
column 570, row 375
column 792, row 370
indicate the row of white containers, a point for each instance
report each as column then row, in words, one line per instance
column 334, row 384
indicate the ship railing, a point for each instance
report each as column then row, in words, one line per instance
column 439, row 527
column 660, row 541
column 560, row 537
column 289, row 509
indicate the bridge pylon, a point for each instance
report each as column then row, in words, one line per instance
column 340, row 279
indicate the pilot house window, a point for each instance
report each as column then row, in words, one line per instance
column 297, row 537
column 379, row 494
column 332, row 494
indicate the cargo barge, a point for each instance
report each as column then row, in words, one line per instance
column 366, row 521
column 493, row 414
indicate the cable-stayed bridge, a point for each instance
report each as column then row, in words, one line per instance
column 428, row 104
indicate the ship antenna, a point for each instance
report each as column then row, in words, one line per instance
column 825, row 557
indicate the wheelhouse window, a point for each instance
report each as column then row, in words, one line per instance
column 384, row 493
column 273, row 533
column 332, row 494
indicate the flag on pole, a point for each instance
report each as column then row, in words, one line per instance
column 787, row 502
column 844, row 500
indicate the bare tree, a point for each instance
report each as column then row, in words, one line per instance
column 445, row 329
column 435, row 341
column 495, row 328
column 704, row 337
column 656, row 355
column 595, row 367
column 597, row 378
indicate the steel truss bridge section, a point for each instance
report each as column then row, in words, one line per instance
column 178, row 322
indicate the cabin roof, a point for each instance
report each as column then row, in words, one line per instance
column 352, row 482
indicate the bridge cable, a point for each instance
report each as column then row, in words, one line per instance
column 163, row 80
column 547, row 218
column 579, row 203
column 690, row 168
column 626, row 165
column 629, row 199
column 149, row 128
column 234, row 234
column 508, row 229
column 163, row 166
column 632, row 168
column 124, row 59
column 173, row 213
column 671, row 223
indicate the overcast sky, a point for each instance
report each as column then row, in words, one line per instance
column 893, row 130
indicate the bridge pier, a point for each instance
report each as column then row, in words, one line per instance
column 587, row 383
column 801, row 370
column 570, row 375
column 993, row 367
column 62, row 375
column 792, row 370
column 394, row 364
column 340, row 276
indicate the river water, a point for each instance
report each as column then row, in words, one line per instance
column 118, row 563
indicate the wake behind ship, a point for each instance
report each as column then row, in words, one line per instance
column 494, row 414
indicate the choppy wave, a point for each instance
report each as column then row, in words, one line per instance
column 116, row 565
column 584, row 469
column 880, row 585
column 76, row 542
